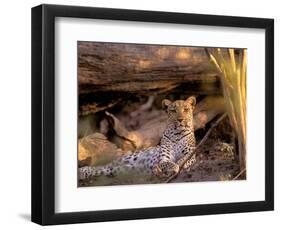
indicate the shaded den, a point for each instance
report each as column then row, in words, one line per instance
column 121, row 89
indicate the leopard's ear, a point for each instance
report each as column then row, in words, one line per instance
column 166, row 103
column 191, row 100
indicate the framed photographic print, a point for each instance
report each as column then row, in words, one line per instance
column 141, row 114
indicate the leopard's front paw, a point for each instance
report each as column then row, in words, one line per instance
column 189, row 163
column 165, row 169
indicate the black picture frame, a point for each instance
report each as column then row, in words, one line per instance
column 43, row 110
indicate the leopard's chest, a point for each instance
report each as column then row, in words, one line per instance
column 179, row 141
column 182, row 147
column 179, row 135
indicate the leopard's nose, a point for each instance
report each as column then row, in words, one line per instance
column 180, row 115
column 180, row 118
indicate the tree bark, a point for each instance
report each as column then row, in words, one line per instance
column 132, row 67
column 110, row 72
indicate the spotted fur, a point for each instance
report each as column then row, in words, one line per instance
column 177, row 140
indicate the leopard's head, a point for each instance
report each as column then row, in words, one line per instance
column 180, row 111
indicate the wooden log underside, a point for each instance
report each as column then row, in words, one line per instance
column 115, row 71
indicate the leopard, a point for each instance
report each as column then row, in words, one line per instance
column 161, row 161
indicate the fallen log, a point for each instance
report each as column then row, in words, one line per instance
column 138, row 67
column 113, row 72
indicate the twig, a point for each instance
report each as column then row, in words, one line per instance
column 239, row 174
column 187, row 157
column 120, row 129
column 143, row 107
